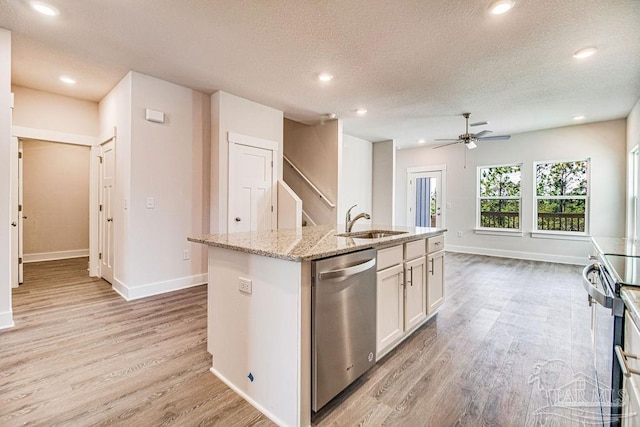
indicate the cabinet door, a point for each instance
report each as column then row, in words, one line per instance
column 389, row 327
column 435, row 281
column 415, row 300
column 631, row 410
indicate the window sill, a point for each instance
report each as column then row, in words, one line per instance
column 498, row 232
column 559, row 235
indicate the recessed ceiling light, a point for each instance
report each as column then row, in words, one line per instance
column 501, row 6
column 361, row 111
column 325, row 77
column 44, row 8
column 585, row 53
column 421, row 141
column 68, row 80
column 578, row 118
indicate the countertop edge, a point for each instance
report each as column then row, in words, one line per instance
column 375, row 243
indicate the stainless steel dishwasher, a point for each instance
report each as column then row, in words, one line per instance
column 343, row 322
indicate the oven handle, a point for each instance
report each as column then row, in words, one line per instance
column 622, row 360
column 600, row 297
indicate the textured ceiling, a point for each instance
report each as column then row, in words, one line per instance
column 416, row 65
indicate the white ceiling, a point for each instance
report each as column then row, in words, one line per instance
column 416, row 65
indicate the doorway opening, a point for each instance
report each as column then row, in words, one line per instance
column 426, row 196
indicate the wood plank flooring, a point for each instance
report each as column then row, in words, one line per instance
column 81, row 355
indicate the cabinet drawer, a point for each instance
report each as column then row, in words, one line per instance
column 389, row 256
column 435, row 244
column 414, row 249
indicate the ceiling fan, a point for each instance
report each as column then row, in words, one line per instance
column 470, row 139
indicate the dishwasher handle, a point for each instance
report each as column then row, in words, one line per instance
column 596, row 294
column 346, row 272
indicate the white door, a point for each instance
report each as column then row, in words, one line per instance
column 251, row 190
column 415, row 298
column 107, row 188
column 15, row 214
column 390, row 310
column 21, row 214
column 425, row 199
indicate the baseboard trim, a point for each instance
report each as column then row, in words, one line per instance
column 131, row 293
column 6, row 320
column 248, row 398
column 530, row 256
column 53, row 256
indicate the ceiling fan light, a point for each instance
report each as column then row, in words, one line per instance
column 501, row 6
column 470, row 145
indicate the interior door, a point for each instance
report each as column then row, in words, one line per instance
column 21, row 214
column 107, row 185
column 425, row 199
column 15, row 214
column 250, row 188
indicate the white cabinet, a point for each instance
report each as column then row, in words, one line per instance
column 401, row 293
column 415, row 298
column 631, row 383
column 390, row 301
column 435, row 281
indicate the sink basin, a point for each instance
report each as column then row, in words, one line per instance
column 371, row 234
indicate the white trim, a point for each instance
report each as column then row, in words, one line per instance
column 52, row 256
column 499, row 232
column 431, row 168
column 531, row 256
column 6, row 320
column 53, row 136
column 559, row 235
column 130, row 293
column 252, row 141
column 479, row 199
column 248, row 398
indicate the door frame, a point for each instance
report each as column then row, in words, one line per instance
column 264, row 144
column 20, row 132
column 411, row 196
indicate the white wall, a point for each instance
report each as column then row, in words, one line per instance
column 44, row 110
column 317, row 151
column 384, row 178
column 6, row 318
column 230, row 113
column 633, row 140
column 163, row 162
column 56, row 200
column 356, row 178
column 604, row 143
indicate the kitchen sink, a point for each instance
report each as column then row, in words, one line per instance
column 371, row 234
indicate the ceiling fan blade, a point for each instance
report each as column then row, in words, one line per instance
column 447, row 139
column 478, row 124
column 483, row 133
column 495, row 138
column 444, row 145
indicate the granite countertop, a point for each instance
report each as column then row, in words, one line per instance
column 631, row 298
column 616, row 246
column 309, row 243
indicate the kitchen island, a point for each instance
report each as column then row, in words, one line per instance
column 259, row 307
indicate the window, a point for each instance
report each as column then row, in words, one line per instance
column 499, row 197
column 562, row 193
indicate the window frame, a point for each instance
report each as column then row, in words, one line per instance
column 479, row 198
column 587, row 205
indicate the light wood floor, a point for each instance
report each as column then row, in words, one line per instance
column 81, row 355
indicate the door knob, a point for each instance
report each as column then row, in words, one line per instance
column 109, row 219
column 13, row 224
column 238, row 219
column 24, row 217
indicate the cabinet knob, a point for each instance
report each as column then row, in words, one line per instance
column 238, row 219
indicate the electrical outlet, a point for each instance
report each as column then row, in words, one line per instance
column 186, row 255
column 459, row 233
column 151, row 204
column 244, row 285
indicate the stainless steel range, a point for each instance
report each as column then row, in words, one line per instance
column 617, row 264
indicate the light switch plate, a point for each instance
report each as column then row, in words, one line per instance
column 151, row 203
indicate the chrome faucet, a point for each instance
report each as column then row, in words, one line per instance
column 349, row 222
